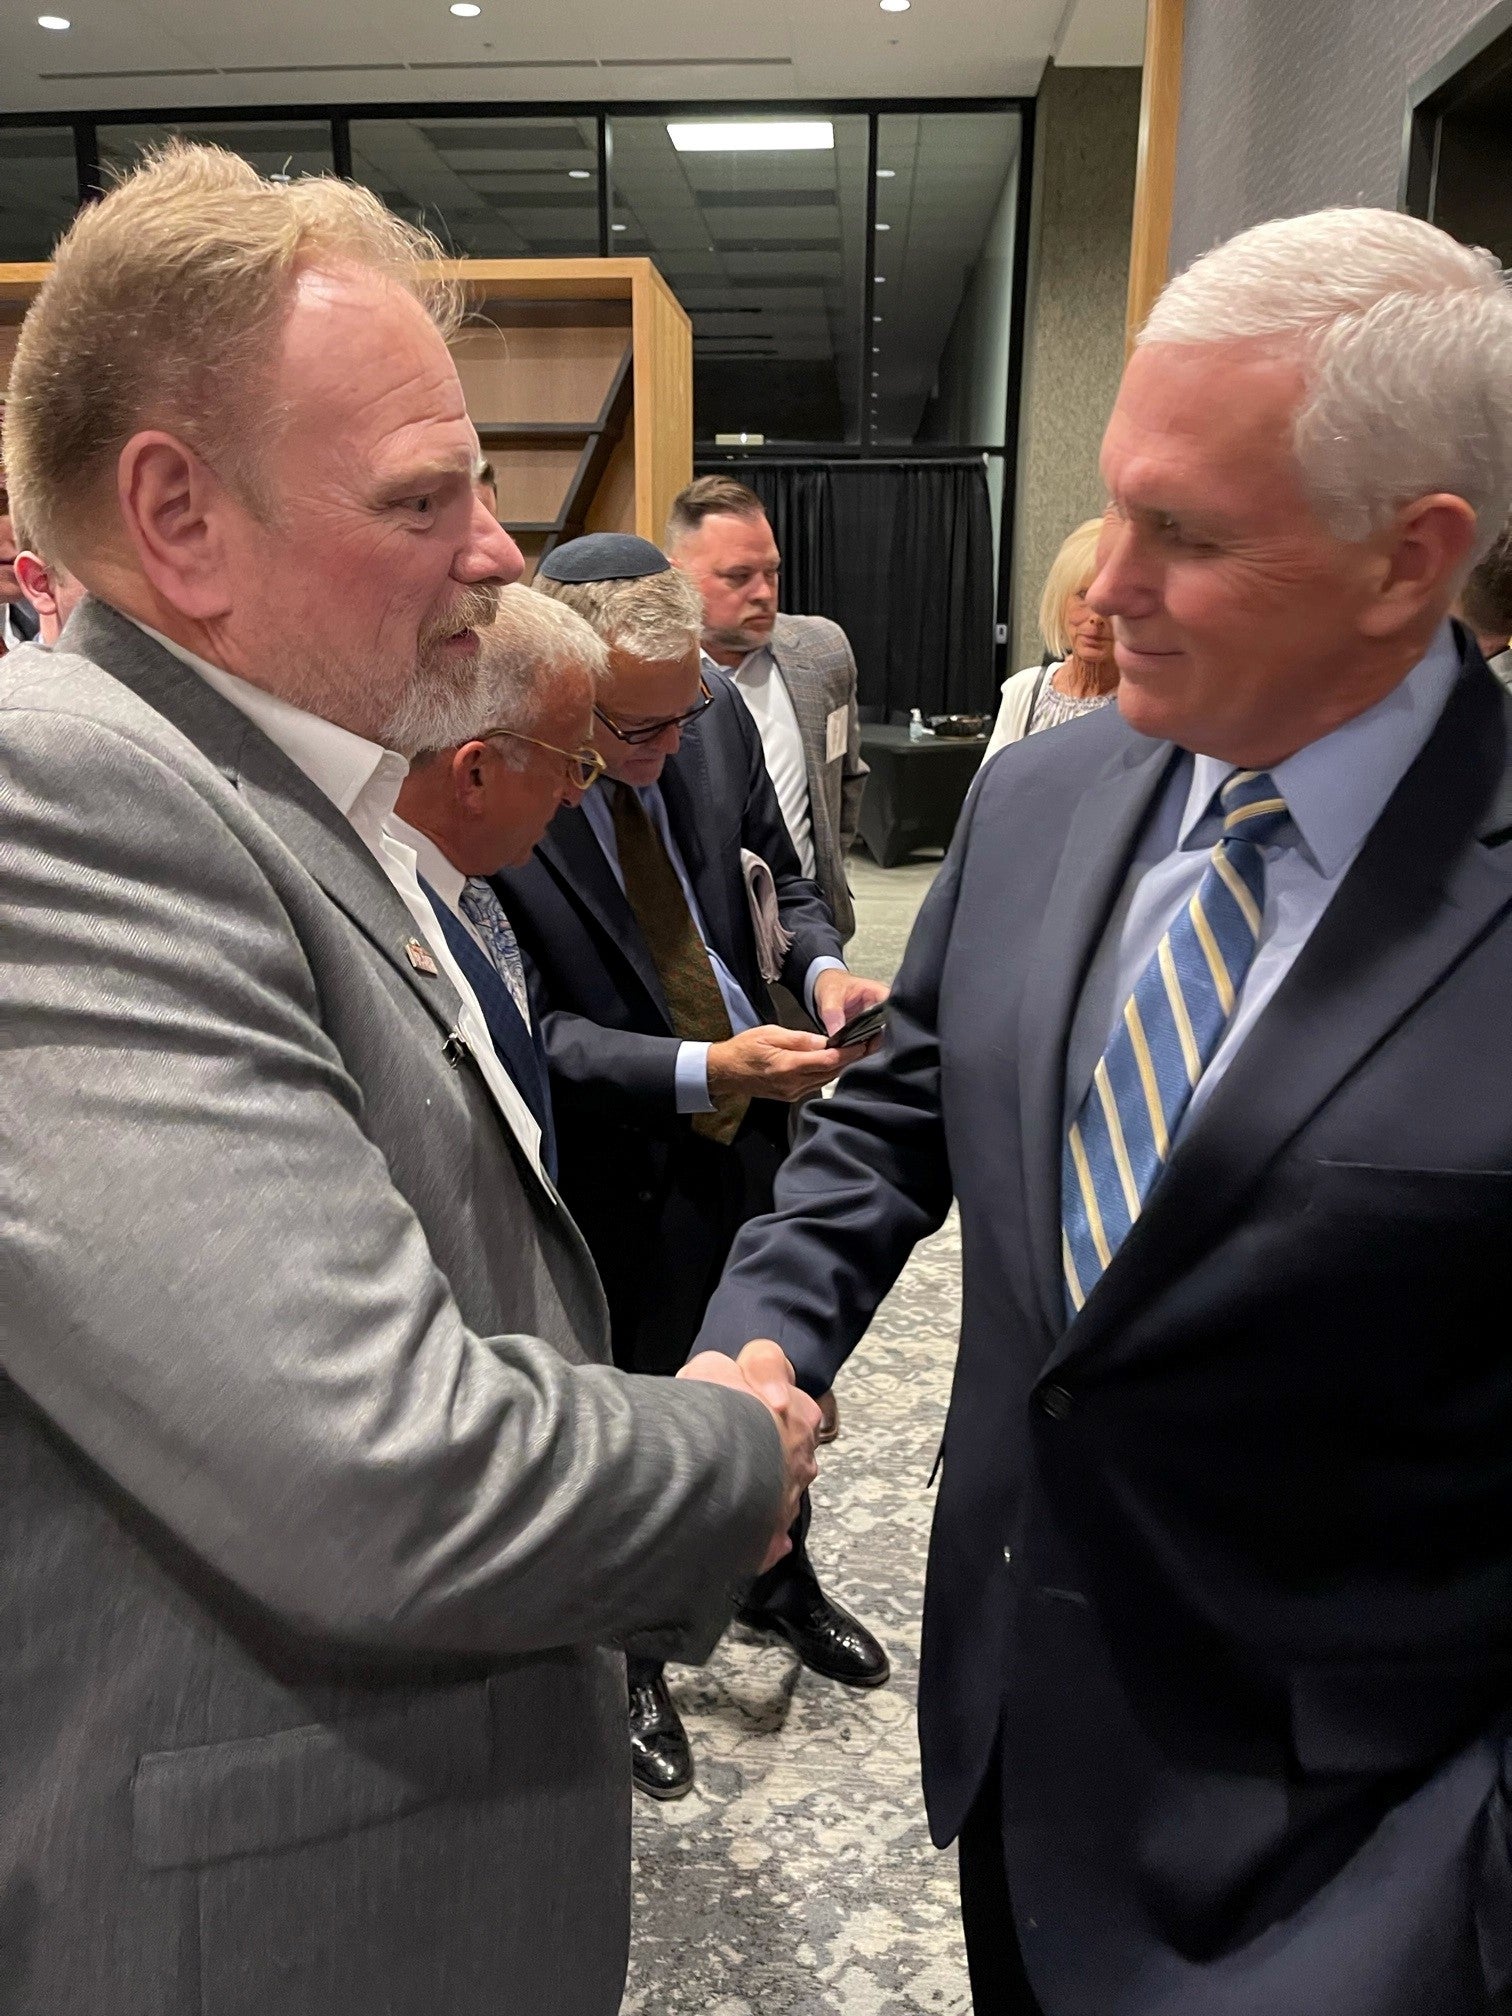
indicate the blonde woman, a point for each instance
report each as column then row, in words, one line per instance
column 1084, row 675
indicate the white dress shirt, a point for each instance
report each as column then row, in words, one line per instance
column 764, row 690
column 363, row 780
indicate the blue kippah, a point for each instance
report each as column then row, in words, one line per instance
column 603, row 556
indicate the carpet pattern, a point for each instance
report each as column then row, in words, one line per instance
column 798, row 1877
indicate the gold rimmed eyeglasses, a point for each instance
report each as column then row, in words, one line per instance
column 585, row 766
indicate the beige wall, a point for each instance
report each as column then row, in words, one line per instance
column 1086, row 139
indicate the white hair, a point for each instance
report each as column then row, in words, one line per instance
column 1406, row 339
column 529, row 645
column 657, row 617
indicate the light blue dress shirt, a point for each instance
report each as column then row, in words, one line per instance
column 691, row 1074
column 1336, row 789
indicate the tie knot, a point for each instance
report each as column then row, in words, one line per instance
column 1253, row 809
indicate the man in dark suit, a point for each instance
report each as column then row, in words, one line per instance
column 472, row 809
column 1217, row 1674
column 671, row 1079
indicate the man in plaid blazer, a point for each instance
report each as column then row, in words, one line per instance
column 796, row 675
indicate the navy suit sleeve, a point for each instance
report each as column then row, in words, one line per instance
column 800, row 902
column 869, row 1179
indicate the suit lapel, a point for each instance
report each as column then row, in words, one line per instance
column 1424, row 889
column 571, row 849
column 806, row 689
column 688, row 783
column 1093, row 864
column 320, row 837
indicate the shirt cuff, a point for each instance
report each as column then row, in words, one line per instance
column 690, row 1078
column 826, row 963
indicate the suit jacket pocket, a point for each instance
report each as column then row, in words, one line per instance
column 1378, row 1189
column 1375, row 1716
column 263, row 1793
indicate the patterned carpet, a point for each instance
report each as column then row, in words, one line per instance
column 798, row 1877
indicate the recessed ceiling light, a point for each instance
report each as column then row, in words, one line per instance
column 619, row 227
column 751, row 136
column 886, row 174
column 876, row 318
column 55, row 21
column 580, row 174
column 883, row 227
column 880, row 278
column 896, row 6
column 465, row 9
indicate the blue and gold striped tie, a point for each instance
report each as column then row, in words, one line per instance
column 1170, row 1027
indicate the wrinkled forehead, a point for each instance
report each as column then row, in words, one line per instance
column 364, row 372
column 1214, row 420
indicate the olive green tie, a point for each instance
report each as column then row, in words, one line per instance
column 677, row 950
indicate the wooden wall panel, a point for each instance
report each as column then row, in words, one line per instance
column 663, row 403
column 1155, row 177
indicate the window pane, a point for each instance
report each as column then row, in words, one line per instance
column 947, row 190
column 491, row 188
column 766, row 250
column 274, row 147
column 39, row 189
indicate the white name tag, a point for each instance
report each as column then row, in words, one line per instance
column 835, row 726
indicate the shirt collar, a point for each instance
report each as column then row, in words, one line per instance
column 444, row 877
column 361, row 778
column 750, row 663
column 1337, row 787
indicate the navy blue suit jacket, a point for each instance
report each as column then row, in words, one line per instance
column 1226, row 1561
column 658, row 1204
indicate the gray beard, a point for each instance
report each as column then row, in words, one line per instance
column 440, row 709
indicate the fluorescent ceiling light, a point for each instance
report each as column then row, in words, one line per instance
column 886, row 174
column 579, row 174
column 465, row 9
column 751, row 136
column 883, row 227
column 55, row 21
column 619, row 227
column 896, row 6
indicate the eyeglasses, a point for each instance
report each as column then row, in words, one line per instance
column 649, row 730
column 585, row 766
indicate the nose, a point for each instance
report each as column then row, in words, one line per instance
column 1121, row 586
column 490, row 556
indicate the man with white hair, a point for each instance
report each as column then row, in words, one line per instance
column 325, row 1512
column 1216, row 1686
column 482, row 804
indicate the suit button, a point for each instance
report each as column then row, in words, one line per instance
column 1056, row 1402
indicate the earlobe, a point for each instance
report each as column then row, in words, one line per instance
column 1423, row 562
column 169, row 504
column 468, row 776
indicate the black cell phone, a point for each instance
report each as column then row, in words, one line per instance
column 861, row 1028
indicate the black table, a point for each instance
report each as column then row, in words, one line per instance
column 915, row 791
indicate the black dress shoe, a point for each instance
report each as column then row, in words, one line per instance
column 661, row 1762
column 826, row 1638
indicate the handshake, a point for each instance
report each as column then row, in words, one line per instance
column 763, row 1371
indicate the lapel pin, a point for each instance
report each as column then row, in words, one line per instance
column 420, row 958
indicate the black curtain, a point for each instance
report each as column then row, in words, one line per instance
column 900, row 556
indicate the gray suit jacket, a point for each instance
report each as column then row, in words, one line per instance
column 814, row 657
column 322, row 1505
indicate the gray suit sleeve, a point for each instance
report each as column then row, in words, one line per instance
column 215, row 1292
column 853, row 771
